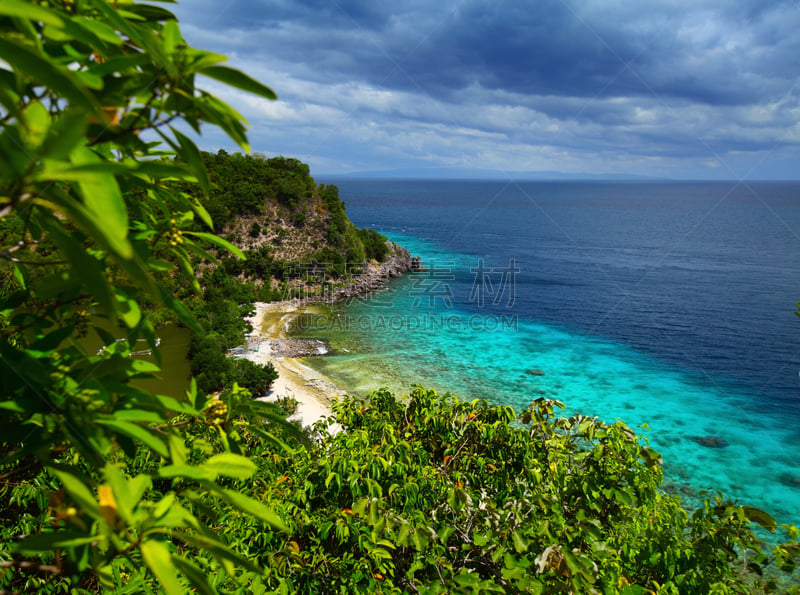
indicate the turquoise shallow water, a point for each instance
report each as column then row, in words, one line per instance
column 417, row 332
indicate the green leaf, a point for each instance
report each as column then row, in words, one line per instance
column 381, row 553
column 49, row 542
column 158, row 170
column 123, row 64
column 172, row 37
column 21, row 275
column 126, row 499
column 220, row 551
column 59, row 170
column 128, row 310
column 195, row 575
column 757, row 515
column 37, row 122
column 467, row 579
column 92, row 226
column 91, row 272
column 180, row 310
column 372, row 512
column 9, row 99
column 76, row 486
column 201, row 211
column 178, row 517
column 174, row 405
column 52, row 340
column 140, row 35
column 219, row 113
column 202, row 58
column 99, row 29
column 136, row 432
column 419, row 539
column 191, row 155
column 26, row 10
column 177, row 449
column 138, row 486
column 520, row 544
column 253, row 507
column 164, row 505
column 187, row 471
column 142, row 366
column 150, row 13
column 235, row 78
column 90, row 33
column 65, row 133
column 159, row 560
column 573, row 564
column 26, row 62
column 230, row 465
column 103, row 199
column 217, row 241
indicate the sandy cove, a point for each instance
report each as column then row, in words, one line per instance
column 314, row 392
column 269, row 339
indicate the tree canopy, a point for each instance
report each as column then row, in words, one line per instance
column 108, row 488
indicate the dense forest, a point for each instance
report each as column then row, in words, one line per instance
column 108, row 488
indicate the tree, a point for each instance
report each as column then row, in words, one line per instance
column 256, row 378
column 94, row 231
column 429, row 494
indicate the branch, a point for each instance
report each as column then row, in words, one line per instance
column 7, row 255
column 25, row 565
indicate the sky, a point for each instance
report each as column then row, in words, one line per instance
column 682, row 89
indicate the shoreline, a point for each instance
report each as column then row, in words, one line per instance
column 314, row 392
column 268, row 342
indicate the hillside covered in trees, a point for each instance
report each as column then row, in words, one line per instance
column 294, row 241
column 109, row 488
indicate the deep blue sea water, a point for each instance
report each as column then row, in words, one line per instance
column 666, row 304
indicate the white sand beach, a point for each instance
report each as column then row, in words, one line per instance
column 313, row 391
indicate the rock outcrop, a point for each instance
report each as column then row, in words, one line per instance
column 374, row 275
column 710, row 441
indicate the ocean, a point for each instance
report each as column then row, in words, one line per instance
column 669, row 306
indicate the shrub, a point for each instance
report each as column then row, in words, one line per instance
column 256, row 378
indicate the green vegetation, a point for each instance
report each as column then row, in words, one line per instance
column 107, row 488
column 421, row 495
column 221, row 309
column 312, row 243
column 432, row 495
column 97, row 233
column 257, row 190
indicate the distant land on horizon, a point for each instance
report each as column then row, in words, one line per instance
column 452, row 173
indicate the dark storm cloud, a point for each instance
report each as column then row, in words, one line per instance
column 551, row 47
column 541, row 49
column 659, row 77
column 249, row 14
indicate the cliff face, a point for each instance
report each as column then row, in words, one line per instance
column 295, row 234
column 288, row 235
column 375, row 275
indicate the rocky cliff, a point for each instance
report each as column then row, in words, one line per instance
column 374, row 274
